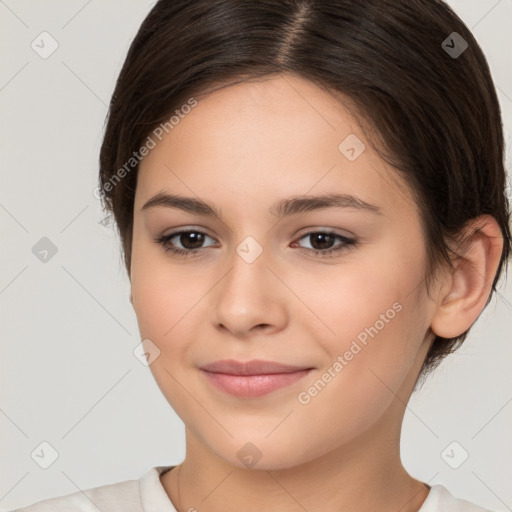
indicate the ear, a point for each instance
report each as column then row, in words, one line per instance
column 464, row 291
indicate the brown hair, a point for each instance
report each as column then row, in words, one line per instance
column 429, row 100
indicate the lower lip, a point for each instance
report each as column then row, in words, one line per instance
column 253, row 385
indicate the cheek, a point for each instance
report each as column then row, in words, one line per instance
column 370, row 313
column 348, row 300
column 165, row 316
column 164, row 307
column 162, row 294
column 362, row 379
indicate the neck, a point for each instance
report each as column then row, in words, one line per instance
column 365, row 475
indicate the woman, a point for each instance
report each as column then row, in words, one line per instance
column 311, row 217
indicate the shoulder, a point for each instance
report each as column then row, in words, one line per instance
column 121, row 496
column 147, row 493
column 440, row 499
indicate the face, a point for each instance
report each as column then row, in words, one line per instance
column 333, row 289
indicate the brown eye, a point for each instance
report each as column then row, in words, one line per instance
column 322, row 242
column 191, row 239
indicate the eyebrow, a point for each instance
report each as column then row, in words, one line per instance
column 284, row 207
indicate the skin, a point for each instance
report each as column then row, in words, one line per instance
column 241, row 149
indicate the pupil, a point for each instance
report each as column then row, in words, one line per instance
column 197, row 237
column 325, row 240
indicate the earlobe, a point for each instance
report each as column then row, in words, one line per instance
column 465, row 291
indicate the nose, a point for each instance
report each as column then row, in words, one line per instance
column 250, row 298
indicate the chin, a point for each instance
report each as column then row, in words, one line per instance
column 255, row 452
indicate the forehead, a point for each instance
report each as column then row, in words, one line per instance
column 282, row 134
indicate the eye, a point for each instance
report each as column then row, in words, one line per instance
column 324, row 240
column 191, row 240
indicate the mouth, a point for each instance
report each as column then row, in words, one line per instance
column 253, row 378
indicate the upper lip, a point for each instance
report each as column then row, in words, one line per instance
column 254, row 367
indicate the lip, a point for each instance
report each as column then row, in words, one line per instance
column 253, row 378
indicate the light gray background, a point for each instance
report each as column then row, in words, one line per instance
column 68, row 373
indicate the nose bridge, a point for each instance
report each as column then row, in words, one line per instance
column 250, row 250
column 248, row 269
column 246, row 298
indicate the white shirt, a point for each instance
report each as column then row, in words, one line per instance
column 148, row 495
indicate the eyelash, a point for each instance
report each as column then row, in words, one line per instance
column 347, row 243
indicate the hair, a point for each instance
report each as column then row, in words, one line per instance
column 433, row 116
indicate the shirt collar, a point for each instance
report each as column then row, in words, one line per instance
column 152, row 493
